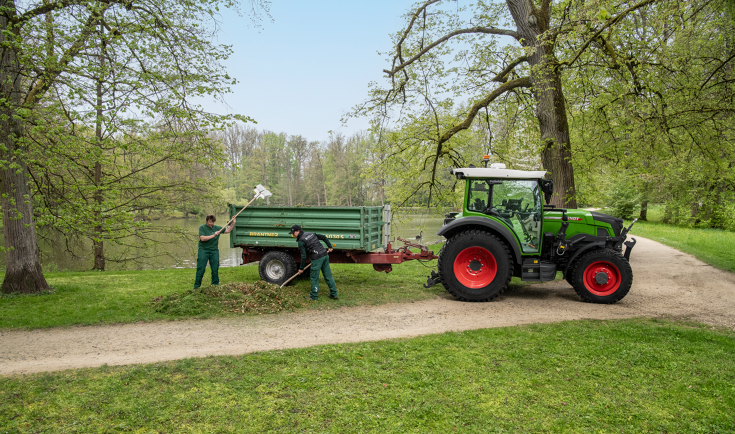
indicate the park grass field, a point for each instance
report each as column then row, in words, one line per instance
column 712, row 246
column 86, row 298
column 583, row 376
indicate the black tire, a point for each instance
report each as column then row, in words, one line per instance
column 569, row 276
column 277, row 267
column 602, row 276
column 484, row 288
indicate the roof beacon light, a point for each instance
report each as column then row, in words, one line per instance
column 485, row 159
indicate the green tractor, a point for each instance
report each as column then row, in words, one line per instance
column 505, row 231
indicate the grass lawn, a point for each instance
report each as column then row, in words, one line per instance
column 582, row 376
column 126, row 296
column 713, row 246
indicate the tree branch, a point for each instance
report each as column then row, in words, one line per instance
column 57, row 5
column 45, row 81
column 505, row 87
column 609, row 23
column 477, row 29
column 502, row 75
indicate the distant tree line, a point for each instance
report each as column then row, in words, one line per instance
column 298, row 171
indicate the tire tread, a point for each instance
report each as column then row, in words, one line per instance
column 444, row 274
column 605, row 254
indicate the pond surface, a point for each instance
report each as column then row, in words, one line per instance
column 58, row 254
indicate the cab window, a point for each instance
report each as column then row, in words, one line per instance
column 518, row 204
column 479, row 196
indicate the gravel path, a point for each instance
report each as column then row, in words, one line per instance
column 667, row 283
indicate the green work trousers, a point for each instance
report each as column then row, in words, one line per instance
column 204, row 256
column 321, row 264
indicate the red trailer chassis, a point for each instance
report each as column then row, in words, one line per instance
column 382, row 261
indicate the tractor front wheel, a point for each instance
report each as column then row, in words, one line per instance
column 602, row 276
column 475, row 266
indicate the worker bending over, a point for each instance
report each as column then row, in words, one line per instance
column 309, row 241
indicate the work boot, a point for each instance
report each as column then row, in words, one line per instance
column 334, row 297
column 309, row 298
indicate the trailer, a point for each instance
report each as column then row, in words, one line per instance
column 359, row 235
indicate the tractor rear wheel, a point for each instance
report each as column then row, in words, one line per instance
column 475, row 266
column 602, row 276
column 277, row 267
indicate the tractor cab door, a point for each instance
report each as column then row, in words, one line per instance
column 515, row 202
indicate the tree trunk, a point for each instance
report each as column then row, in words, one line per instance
column 644, row 211
column 23, row 264
column 99, row 247
column 551, row 111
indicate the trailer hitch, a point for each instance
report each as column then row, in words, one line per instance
column 432, row 280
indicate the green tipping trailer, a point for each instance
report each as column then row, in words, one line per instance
column 359, row 234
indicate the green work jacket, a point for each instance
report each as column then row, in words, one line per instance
column 207, row 231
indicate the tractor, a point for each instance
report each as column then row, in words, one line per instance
column 505, row 231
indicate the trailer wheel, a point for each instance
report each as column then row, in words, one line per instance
column 276, row 267
column 475, row 266
column 602, row 276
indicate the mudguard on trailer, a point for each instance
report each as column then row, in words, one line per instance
column 488, row 223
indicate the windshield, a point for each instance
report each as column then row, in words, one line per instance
column 517, row 203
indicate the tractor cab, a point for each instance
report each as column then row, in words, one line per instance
column 514, row 202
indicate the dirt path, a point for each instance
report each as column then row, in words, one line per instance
column 667, row 283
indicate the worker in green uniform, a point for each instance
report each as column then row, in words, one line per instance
column 209, row 249
column 309, row 241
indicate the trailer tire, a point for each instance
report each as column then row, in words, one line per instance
column 475, row 266
column 602, row 276
column 277, row 267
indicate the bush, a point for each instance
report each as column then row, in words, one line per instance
column 626, row 200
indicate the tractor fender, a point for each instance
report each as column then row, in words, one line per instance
column 588, row 247
column 491, row 224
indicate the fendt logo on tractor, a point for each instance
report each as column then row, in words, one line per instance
column 505, row 231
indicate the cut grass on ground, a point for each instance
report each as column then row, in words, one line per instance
column 581, row 376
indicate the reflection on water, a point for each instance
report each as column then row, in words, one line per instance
column 58, row 254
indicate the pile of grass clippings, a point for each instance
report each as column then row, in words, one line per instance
column 233, row 298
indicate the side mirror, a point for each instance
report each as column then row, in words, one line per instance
column 547, row 186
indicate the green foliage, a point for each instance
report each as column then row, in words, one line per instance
column 659, row 108
column 658, row 376
column 625, row 200
column 259, row 297
column 107, row 120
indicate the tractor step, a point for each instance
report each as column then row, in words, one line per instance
column 538, row 271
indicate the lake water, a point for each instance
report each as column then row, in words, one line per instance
column 57, row 254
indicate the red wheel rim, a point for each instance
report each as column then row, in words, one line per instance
column 475, row 267
column 602, row 278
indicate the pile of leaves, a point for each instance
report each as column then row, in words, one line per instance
column 233, row 298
